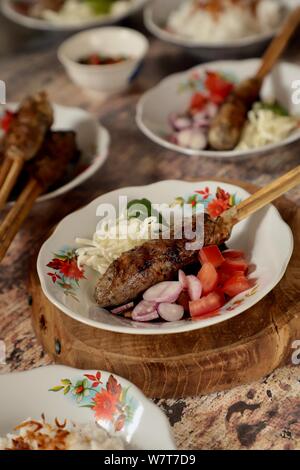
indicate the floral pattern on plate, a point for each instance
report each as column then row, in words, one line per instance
column 111, row 403
column 65, row 272
column 214, row 202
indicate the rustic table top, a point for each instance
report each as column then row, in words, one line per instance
column 262, row 415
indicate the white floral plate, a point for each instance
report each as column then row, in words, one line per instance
column 84, row 397
column 265, row 238
column 173, row 95
column 8, row 9
column 92, row 139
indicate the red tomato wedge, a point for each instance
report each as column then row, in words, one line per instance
column 232, row 254
column 6, row 120
column 218, row 87
column 236, row 284
column 232, row 265
column 208, row 277
column 198, row 101
column 210, row 303
column 211, row 254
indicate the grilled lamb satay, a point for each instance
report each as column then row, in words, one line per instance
column 226, row 128
column 49, row 167
column 155, row 261
column 57, row 151
column 28, row 127
column 23, row 140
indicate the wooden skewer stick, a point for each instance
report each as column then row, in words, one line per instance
column 279, row 43
column 14, row 167
column 4, row 170
column 262, row 197
column 16, row 216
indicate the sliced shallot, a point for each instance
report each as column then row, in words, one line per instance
column 194, row 287
column 182, row 279
column 144, row 308
column 147, row 317
column 122, row 308
column 167, row 291
column 170, row 312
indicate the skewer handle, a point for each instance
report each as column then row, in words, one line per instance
column 278, row 45
column 263, row 197
column 10, row 171
column 16, row 216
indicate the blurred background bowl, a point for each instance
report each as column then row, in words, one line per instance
column 157, row 13
column 111, row 42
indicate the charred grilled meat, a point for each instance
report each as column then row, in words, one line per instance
column 153, row 262
column 225, row 131
column 50, row 165
column 28, row 128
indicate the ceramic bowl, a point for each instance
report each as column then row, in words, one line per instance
column 264, row 237
column 8, row 8
column 173, row 95
column 51, row 390
column 157, row 13
column 110, row 41
column 93, row 141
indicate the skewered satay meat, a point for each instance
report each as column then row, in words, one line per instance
column 154, row 261
column 50, row 165
column 28, row 127
column 226, row 128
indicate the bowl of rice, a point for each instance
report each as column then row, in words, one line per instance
column 217, row 29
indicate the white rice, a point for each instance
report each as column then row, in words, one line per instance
column 235, row 22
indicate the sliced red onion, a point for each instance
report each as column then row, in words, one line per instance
column 192, row 138
column 143, row 308
column 170, row 312
column 179, row 122
column 167, row 291
column 182, row 279
column 147, row 317
column 194, row 287
column 123, row 308
column 200, row 120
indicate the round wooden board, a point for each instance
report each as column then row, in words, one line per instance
column 238, row 351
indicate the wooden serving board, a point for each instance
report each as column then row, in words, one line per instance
column 238, row 351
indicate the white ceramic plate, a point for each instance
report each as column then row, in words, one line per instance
column 173, row 95
column 264, row 237
column 10, row 12
column 142, row 417
column 92, row 139
column 157, row 13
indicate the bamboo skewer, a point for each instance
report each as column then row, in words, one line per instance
column 13, row 168
column 279, row 43
column 16, row 216
column 4, row 170
column 262, row 197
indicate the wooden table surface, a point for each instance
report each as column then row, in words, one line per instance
column 262, row 415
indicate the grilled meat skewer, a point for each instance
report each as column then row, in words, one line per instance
column 155, row 261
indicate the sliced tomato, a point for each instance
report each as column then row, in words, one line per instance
column 232, row 265
column 6, row 120
column 236, row 284
column 232, row 254
column 207, row 304
column 208, row 277
column 211, row 254
column 224, row 275
column 218, row 87
column 198, row 102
